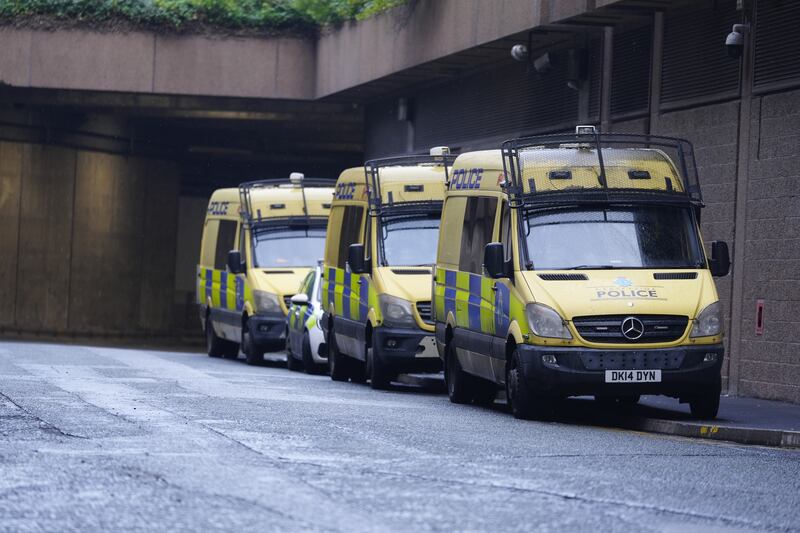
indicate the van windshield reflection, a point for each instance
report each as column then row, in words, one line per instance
column 288, row 247
column 581, row 238
column 410, row 241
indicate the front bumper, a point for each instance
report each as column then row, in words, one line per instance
column 268, row 332
column 406, row 350
column 581, row 371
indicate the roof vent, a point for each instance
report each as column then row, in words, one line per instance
column 440, row 150
column 296, row 179
column 585, row 130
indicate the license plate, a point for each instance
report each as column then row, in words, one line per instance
column 633, row 376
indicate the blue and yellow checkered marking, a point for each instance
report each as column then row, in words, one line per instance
column 348, row 295
column 478, row 303
column 223, row 289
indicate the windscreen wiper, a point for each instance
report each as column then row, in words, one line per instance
column 590, row 267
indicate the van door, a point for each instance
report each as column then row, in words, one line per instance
column 220, row 285
column 504, row 290
column 349, row 331
column 475, row 321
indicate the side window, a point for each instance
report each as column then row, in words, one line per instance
column 334, row 232
column 308, row 284
column 476, row 233
column 209, row 243
column 452, row 221
column 242, row 244
column 505, row 232
column 351, row 231
column 226, row 241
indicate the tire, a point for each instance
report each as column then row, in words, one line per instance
column 485, row 392
column 705, row 406
column 252, row 353
column 628, row 400
column 217, row 346
column 308, row 360
column 460, row 385
column 291, row 361
column 337, row 362
column 525, row 403
column 379, row 376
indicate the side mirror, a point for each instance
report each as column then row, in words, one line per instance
column 300, row 299
column 235, row 263
column 493, row 260
column 720, row 263
column 355, row 258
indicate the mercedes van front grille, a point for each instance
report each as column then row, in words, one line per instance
column 424, row 310
column 631, row 329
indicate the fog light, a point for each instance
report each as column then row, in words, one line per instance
column 549, row 359
column 391, row 343
column 710, row 358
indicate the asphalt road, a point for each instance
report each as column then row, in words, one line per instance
column 120, row 439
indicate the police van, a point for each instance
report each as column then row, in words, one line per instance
column 260, row 241
column 573, row 265
column 379, row 252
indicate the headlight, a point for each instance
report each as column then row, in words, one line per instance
column 709, row 322
column 267, row 303
column 396, row 311
column 545, row 322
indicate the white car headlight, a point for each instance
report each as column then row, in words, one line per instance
column 709, row 322
column 267, row 303
column 396, row 311
column 545, row 322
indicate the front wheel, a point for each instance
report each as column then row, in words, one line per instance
column 379, row 375
column 308, row 360
column 252, row 353
column 525, row 403
column 705, row 405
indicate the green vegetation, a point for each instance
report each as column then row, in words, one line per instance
column 187, row 14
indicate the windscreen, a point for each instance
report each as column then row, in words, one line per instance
column 288, row 247
column 411, row 240
column 612, row 237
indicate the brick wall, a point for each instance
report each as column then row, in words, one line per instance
column 770, row 363
column 713, row 130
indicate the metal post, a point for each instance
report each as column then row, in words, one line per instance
column 655, row 69
column 740, row 210
column 605, row 83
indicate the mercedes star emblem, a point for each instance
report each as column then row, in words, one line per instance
column 632, row 328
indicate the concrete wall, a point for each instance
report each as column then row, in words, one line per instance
column 141, row 62
column 87, row 241
column 713, row 130
column 770, row 363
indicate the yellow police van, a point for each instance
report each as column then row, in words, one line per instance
column 573, row 265
column 379, row 252
column 260, row 241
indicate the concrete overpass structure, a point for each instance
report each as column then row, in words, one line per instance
column 111, row 142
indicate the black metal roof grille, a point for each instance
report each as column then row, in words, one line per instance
column 608, row 328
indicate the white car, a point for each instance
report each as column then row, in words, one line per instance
column 305, row 343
